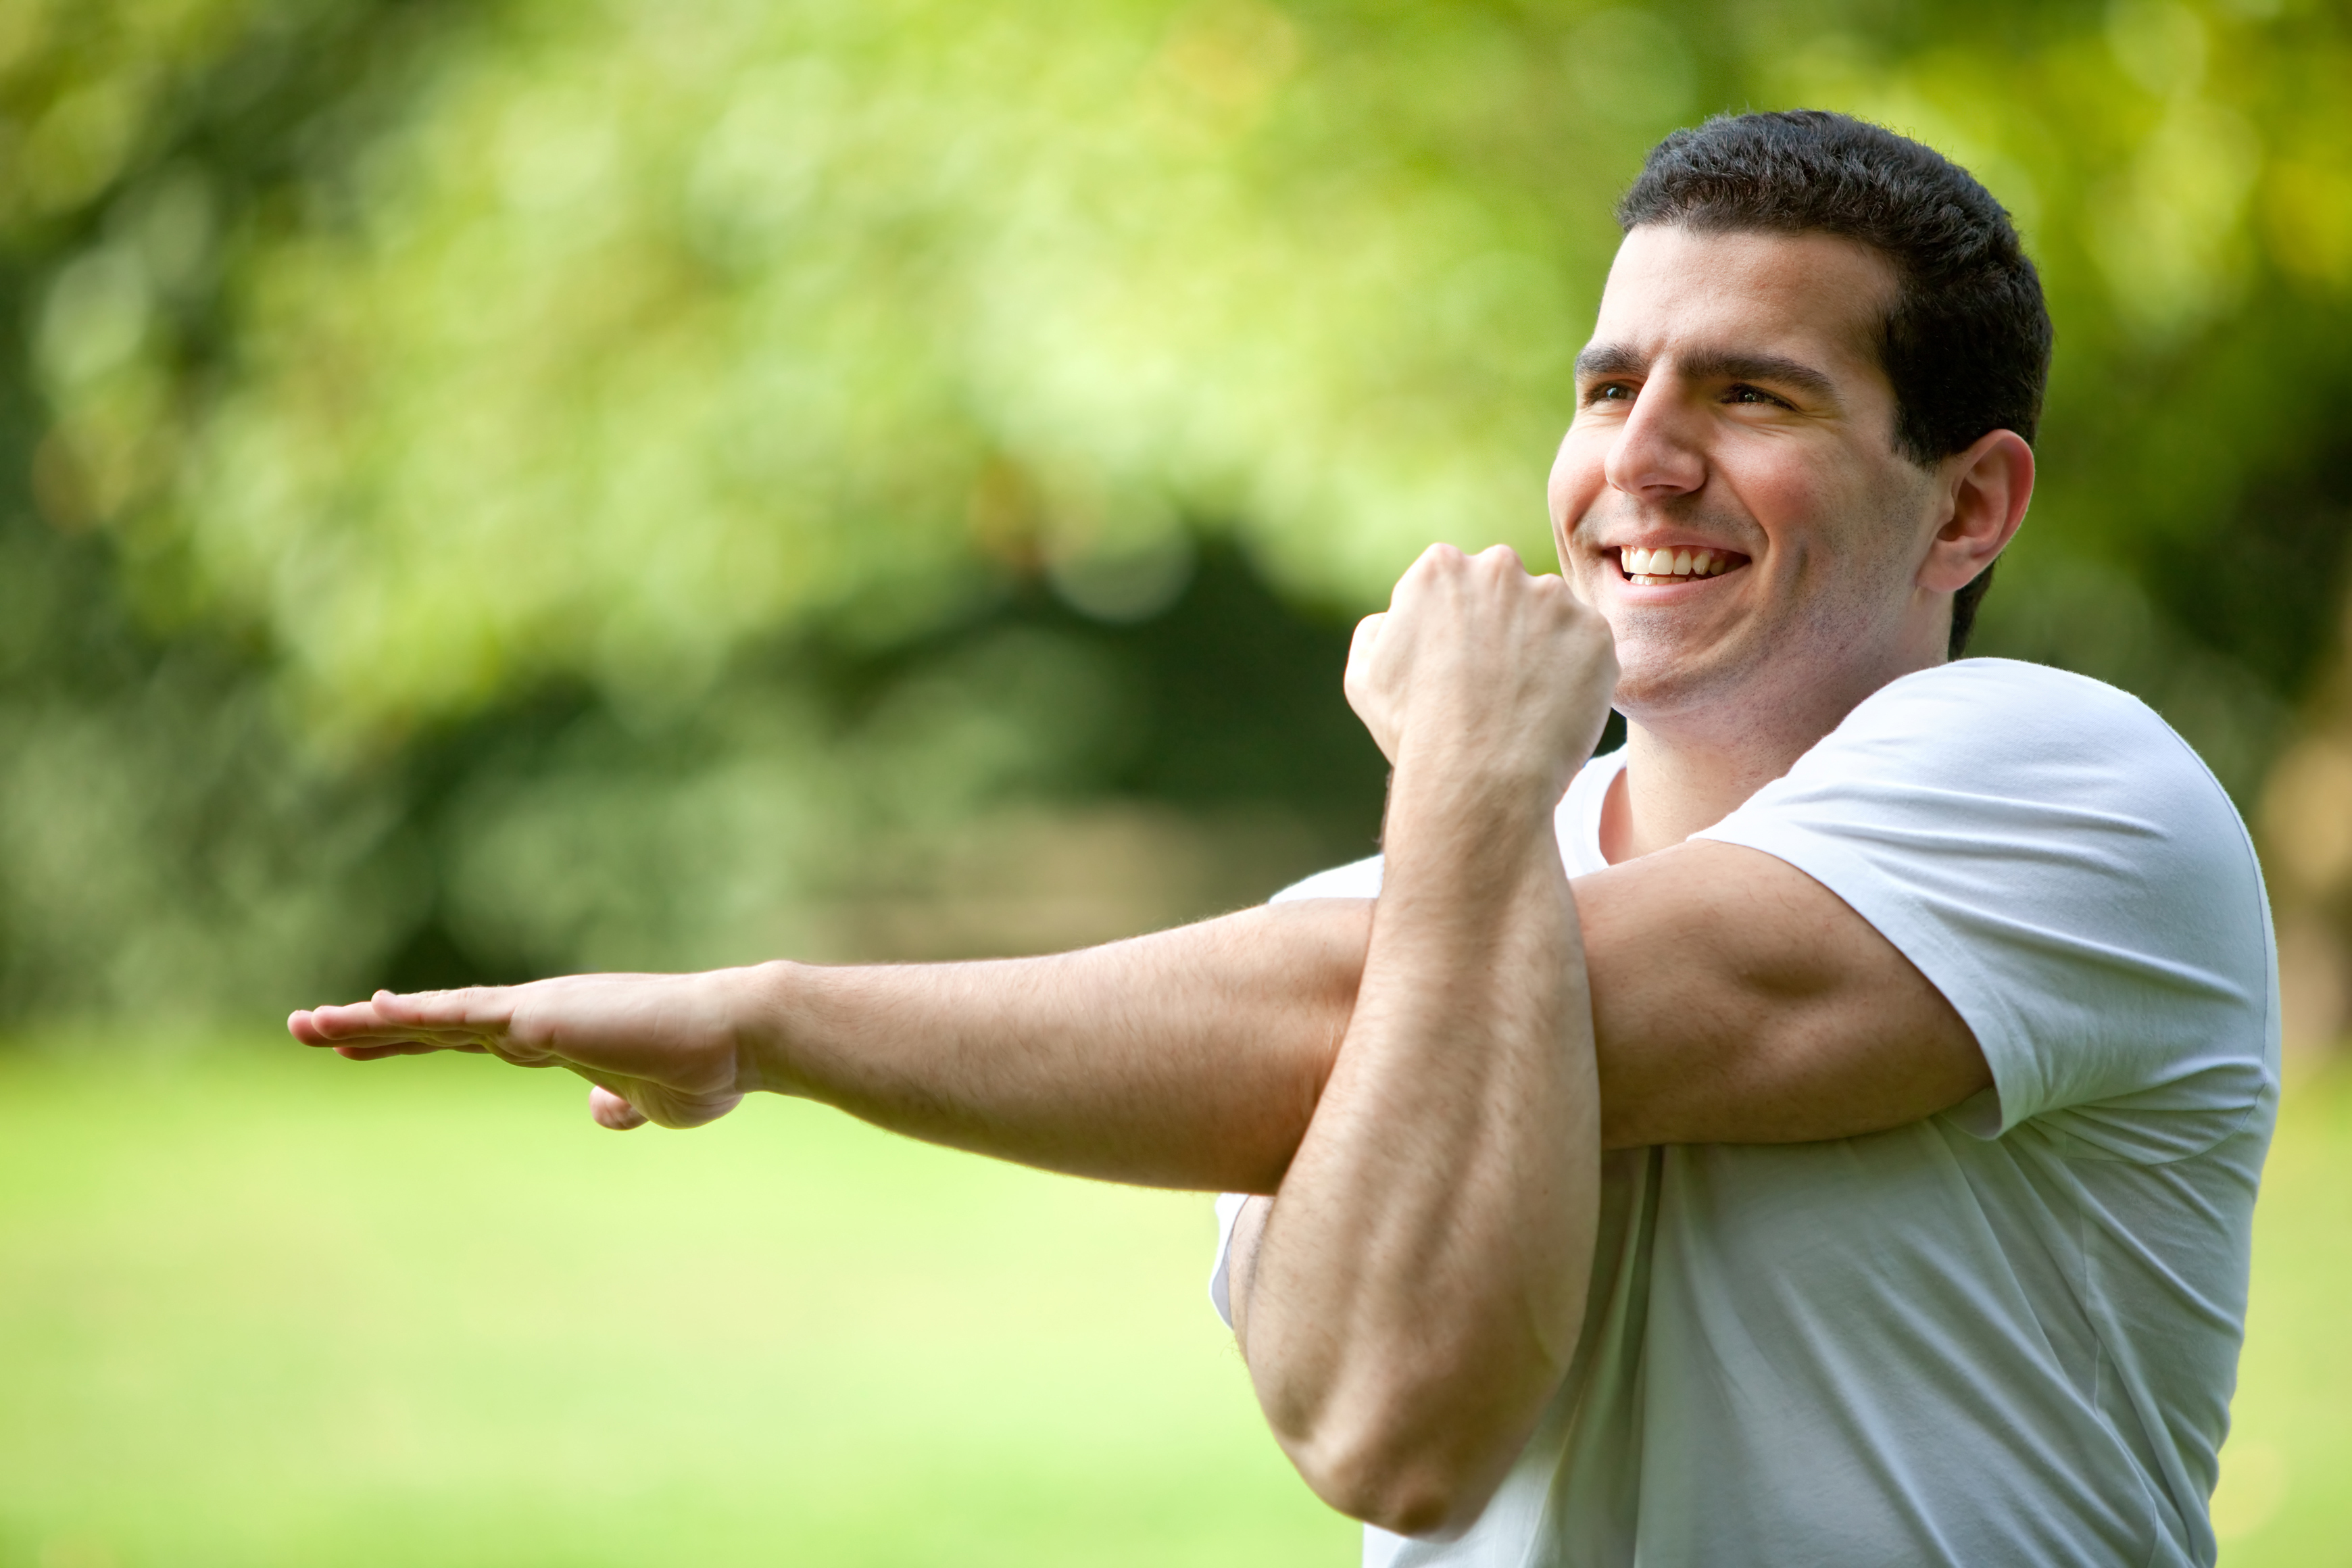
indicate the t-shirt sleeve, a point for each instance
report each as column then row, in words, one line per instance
column 1356, row 879
column 1221, row 1278
column 2060, row 866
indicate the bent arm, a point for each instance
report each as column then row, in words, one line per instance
column 1419, row 1286
column 1736, row 1000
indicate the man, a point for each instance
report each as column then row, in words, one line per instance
column 1824, row 1131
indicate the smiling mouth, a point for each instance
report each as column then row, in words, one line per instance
column 1667, row 566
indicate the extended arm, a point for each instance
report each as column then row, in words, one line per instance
column 1192, row 1057
column 1735, row 1000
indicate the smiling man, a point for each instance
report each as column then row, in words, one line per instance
column 1825, row 1131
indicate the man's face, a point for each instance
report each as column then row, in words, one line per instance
column 1732, row 415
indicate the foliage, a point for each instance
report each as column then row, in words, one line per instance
column 701, row 456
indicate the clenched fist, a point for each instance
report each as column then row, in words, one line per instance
column 1478, row 669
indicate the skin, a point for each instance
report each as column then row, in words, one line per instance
column 1422, row 1083
column 1731, row 398
column 1457, row 1137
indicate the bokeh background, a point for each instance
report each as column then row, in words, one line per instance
column 496, row 489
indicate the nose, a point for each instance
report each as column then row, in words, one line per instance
column 1658, row 451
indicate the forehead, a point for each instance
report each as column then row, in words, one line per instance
column 1814, row 297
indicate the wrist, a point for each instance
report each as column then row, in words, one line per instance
column 1497, row 791
column 758, row 1002
column 1474, row 828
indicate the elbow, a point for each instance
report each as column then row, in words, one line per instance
column 1397, row 1476
column 1415, row 1438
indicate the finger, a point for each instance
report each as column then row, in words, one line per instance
column 480, row 1009
column 1362, row 649
column 376, row 1053
column 470, row 1020
column 363, row 1022
column 336, row 1030
column 329, row 1025
column 1432, row 563
column 613, row 1110
column 416, row 1040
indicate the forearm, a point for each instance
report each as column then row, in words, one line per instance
column 1418, row 1287
column 1196, row 1058
column 1193, row 1057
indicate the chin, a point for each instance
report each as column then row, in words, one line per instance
column 1644, row 698
column 1656, row 683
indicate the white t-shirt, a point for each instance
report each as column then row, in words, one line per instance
column 2008, row 1333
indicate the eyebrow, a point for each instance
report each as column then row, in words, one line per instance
column 1712, row 364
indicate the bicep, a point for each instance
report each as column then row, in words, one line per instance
column 1736, row 1000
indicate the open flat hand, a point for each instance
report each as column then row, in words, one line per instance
column 657, row 1048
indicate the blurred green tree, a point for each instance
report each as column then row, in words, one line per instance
column 657, row 484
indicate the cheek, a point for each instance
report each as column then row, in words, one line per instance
column 1577, row 477
column 1784, row 492
column 1820, row 508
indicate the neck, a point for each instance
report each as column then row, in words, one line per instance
column 1669, row 792
column 1681, row 777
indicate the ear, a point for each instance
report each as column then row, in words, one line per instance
column 1985, row 488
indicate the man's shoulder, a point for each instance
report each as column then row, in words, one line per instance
column 2014, row 695
column 1997, row 760
column 2065, row 870
column 2016, row 724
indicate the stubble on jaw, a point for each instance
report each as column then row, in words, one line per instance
column 1659, row 671
column 1796, row 661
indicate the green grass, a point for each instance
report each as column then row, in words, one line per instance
column 284, row 1310
column 270, row 1308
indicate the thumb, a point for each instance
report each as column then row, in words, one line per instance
column 1362, row 686
column 613, row 1111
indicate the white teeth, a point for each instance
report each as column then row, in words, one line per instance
column 1666, row 563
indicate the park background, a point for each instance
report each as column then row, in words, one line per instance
column 501, row 487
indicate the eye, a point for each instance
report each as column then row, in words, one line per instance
column 1743, row 392
column 1609, row 391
